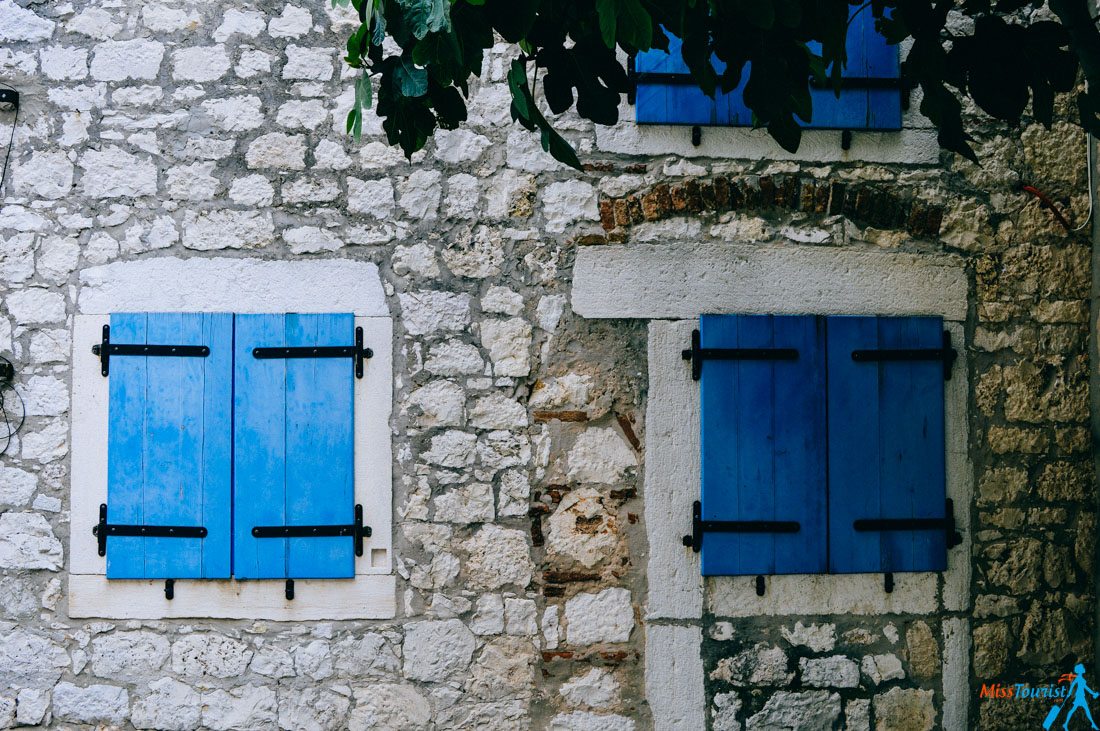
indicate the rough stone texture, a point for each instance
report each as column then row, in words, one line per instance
column 391, row 706
column 28, row 542
column 90, row 704
column 437, row 650
column 811, row 710
column 170, row 705
column 200, row 655
column 160, row 139
column 128, row 655
column 30, row 661
column 904, row 709
column 604, row 617
column 251, row 707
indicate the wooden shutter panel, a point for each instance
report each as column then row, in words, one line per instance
column 663, row 97
column 293, row 447
column 763, row 445
column 886, row 445
column 168, row 453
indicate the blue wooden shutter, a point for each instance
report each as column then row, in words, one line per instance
column 293, row 456
column 763, row 445
column 886, row 445
column 168, row 451
column 664, row 99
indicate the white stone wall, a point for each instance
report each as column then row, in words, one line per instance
column 177, row 130
column 154, row 133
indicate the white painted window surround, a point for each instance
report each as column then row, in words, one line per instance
column 171, row 284
column 671, row 285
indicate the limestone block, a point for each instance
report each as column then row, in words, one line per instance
column 498, row 557
column 607, row 616
column 27, row 542
column 129, row 656
column 905, row 709
column 115, row 173
column 28, row 660
column 92, row 704
column 836, row 671
column 595, row 689
column 204, row 654
column 395, row 706
column 437, row 650
column 169, row 705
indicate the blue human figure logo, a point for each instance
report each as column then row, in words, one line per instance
column 1076, row 692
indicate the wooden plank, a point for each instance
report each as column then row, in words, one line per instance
column 912, row 450
column 126, row 448
column 753, row 437
column 800, row 446
column 319, row 446
column 172, row 449
column 259, row 462
column 853, row 427
column 719, row 401
column 217, row 446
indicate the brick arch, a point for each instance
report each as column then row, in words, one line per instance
column 865, row 204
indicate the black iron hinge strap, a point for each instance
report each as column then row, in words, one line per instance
column 356, row 530
column 700, row 526
column 947, row 355
column 697, row 354
column 357, row 351
column 103, row 530
column 946, row 524
column 105, row 349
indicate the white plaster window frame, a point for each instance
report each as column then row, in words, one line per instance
column 171, row 284
column 671, row 285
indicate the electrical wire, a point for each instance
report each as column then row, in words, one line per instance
column 11, row 428
column 11, row 143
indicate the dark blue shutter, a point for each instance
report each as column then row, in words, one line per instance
column 763, row 445
column 862, row 105
column 168, row 452
column 886, row 445
column 293, row 458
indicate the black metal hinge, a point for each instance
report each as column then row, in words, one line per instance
column 357, row 351
column 946, row 355
column 946, row 524
column 697, row 354
column 700, row 526
column 356, row 530
column 106, row 349
column 103, row 529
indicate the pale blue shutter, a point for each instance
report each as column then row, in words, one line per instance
column 293, row 455
column 168, row 451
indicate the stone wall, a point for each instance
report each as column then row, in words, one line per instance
column 190, row 129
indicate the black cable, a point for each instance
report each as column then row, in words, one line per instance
column 11, row 429
column 7, row 155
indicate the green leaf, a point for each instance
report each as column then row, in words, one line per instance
column 411, row 79
column 427, row 16
column 608, row 12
